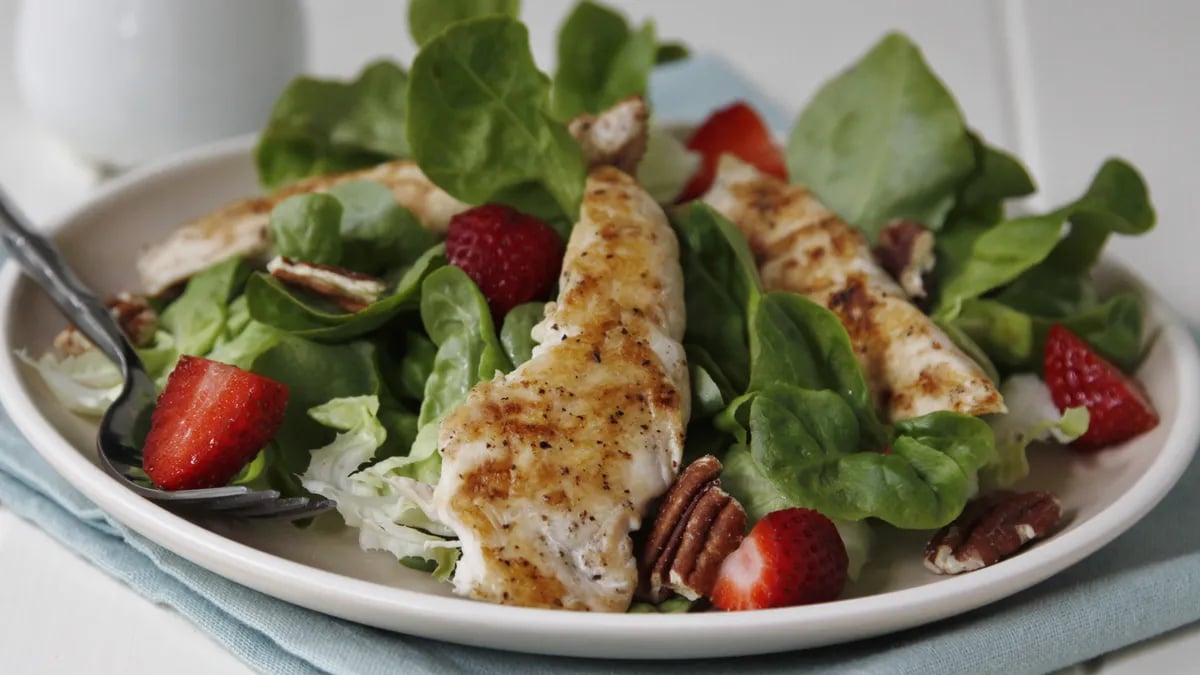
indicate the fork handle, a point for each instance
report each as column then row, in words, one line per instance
column 42, row 262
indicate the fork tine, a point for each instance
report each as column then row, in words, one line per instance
column 286, row 509
column 239, row 502
column 189, row 497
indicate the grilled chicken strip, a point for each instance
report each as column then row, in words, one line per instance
column 547, row 470
column 911, row 365
column 241, row 228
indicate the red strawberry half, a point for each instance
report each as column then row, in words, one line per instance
column 512, row 257
column 790, row 557
column 739, row 131
column 211, row 419
column 1078, row 376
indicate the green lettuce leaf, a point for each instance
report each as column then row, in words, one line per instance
column 326, row 126
column 479, row 121
column 883, row 140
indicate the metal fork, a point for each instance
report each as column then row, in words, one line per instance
column 117, row 439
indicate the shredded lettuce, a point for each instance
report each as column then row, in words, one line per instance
column 1032, row 416
column 87, row 383
column 667, row 165
column 392, row 512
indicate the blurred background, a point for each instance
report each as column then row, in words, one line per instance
column 1063, row 83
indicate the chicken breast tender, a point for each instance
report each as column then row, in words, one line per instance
column 547, row 470
column 912, row 367
column 242, row 228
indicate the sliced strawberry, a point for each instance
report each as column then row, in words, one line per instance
column 211, row 419
column 512, row 257
column 1078, row 376
column 790, row 557
column 737, row 130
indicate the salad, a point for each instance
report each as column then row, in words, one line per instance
column 559, row 355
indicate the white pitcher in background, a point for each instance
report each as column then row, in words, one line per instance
column 125, row 81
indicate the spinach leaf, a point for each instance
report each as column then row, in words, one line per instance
column 997, row 176
column 457, row 319
column 883, row 140
column 711, row 388
column 272, row 302
column 1015, row 339
column 307, row 227
column 803, row 452
column 459, row 322
column 670, row 52
column 325, row 126
column 794, row 341
column 1047, row 292
column 1116, row 201
column 377, row 233
column 479, row 123
column 236, row 319
column 720, row 283
column 314, row 374
column 197, row 317
column 427, row 18
column 414, row 367
column 600, row 60
column 516, row 335
column 998, row 256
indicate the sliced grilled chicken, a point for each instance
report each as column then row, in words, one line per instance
column 546, row 471
column 241, row 228
column 912, row 366
column 616, row 137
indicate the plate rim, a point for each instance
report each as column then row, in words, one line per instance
column 557, row 632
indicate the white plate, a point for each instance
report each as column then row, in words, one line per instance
column 323, row 569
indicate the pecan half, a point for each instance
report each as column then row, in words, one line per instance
column 616, row 137
column 905, row 250
column 133, row 314
column 345, row 288
column 697, row 527
column 991, row 528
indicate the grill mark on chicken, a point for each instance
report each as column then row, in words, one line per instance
column 800, row 246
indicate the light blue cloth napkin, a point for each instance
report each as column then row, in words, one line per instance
column 1143, row 584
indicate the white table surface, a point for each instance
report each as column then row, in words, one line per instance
column 1063, row 82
